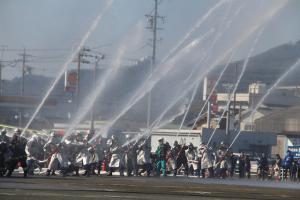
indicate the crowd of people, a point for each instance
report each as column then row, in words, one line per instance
column 133, row 157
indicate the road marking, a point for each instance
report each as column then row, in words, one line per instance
column 196, row 192
column 8, row 194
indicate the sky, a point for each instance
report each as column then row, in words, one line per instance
column 40, row 25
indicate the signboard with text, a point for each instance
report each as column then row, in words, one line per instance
column 295, row 151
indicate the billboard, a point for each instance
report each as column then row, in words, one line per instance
column 70, row 80
column 207, row 87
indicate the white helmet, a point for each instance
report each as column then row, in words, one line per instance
column 113, row 137
column 52, row 134
column 90, row 149
column 109, row 142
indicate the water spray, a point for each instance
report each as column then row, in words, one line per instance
column 248, row 32
column 194, row 28
column 212, row 91
column 152, row 80
column 69, row 61
column 238, row 81
column 188, row 107
column 107, row 77
column 283, row 76
column 218, row 36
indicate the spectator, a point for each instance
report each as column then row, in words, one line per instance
column 294, row 170
column 242, row 165
column 247, row 166
column 277, row 167
column 263, row 166
column 232, row 165
column 287, row 163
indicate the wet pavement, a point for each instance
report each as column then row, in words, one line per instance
column 103, row 187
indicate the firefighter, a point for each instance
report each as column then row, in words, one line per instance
column 161, row 152
column 17, row 147
column 3, row 136
column 34, row 151
column 116, row 157
column 3, row 152
column 143, row 156
column 130, row 157
column 193, row 160
column 180, row 158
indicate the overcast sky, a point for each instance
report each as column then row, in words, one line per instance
column 60, row 24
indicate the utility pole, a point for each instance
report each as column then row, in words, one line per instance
column 154, row 29
column 81, row 54
column 4, row 63
column 152, row 20
column 23, row 71
column 78, row 78
column 24, row 60
column 1, row 65
column 97, row 59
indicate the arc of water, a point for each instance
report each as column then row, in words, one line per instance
column 247, row 34
column 188, row 107
column 265, row 18
column 188, row 34
column 218, row 36
column 69, row 61
column 260, row 21
column 90, row 100
column 155, row 125
column 282, row 77
column 148, row 132
column 212, row 91
column 238, row 81
column 194, row 28
column 153, row 79
column 107, row 76
column 193, row 43
column 156, row 122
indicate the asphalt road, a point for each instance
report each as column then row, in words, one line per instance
column 46, row 188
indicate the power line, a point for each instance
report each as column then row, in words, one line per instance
column 55, row 49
